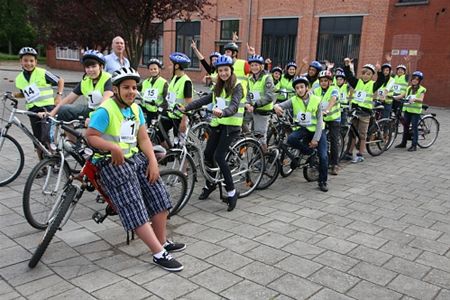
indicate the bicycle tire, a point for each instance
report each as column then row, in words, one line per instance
column 67, row 198
column 246, row 161
column 375, row 144
column 6, row 150
column 176, row 186
column 37, row 206
column 285, row 162
column 394, row 133
column 425, row 129
column 202, row 131
column 271, row 170
column 311, row 169
column 172, row 161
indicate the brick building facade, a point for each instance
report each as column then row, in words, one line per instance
column 317, row 29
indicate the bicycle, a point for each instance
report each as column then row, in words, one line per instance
column 245, row 159
column 428, row 127
column 11, row 152
column 89, row 180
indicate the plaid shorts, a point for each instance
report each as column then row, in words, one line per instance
column 135, row 198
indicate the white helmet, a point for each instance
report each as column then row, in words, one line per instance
column 370, row 67
column 27, row 51
column 123, row 74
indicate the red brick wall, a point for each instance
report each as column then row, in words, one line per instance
column 425, row 28
column 52, row 62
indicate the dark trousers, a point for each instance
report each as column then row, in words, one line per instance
column 216, row 149
column 41, row 127
column 334, row 130
column 414, row 120
column 300, row 139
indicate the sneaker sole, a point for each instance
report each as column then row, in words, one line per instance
column 170, row 269
column 177, row 250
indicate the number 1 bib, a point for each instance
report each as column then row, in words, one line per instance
column 127, row 132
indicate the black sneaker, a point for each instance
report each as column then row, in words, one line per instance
column 206, row 192
column 167, row 262
column 412, row 148
column 400, row 146
column 232, row 201
column 323, row 186
column 174, row 247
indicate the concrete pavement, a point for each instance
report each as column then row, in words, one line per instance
column 381, row 232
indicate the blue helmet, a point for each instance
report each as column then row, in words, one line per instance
column 417, row 74
column 340, row 73
column 316, row 65
column 180, row 58
column 93, row 54
column 223, row 60
column 214, row 54
column 276, row 69
column 300, row 79
column 256, row 58
column 291, row 64
column 155, row 61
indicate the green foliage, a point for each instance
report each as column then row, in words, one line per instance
column 15, row 57
column 15, row 29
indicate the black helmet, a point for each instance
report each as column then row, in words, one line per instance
column 299, row 79
column 155, row 61
column 231, row 46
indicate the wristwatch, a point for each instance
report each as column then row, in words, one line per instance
column 59, row 93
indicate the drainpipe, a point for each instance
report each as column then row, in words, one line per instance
column 250, row 7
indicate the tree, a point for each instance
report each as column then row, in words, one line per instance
column 15, row 29
column 94, row 23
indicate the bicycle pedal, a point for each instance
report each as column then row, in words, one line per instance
column 98, row 217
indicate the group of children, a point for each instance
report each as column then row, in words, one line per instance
column 243, row 92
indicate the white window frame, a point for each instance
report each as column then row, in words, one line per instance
column 66, row 53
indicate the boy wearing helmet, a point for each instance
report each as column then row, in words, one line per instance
column 412, row 109
column 344, row 91
column 332, row 114
column 260, row 98
column 241, row 67
column 313, row 72
column 228, row 114
column 385, row 93
column 310, row 135
column 179, row 92
column 129, row 175
column 95, row 86
column 401, row 79
column 35, row 85
column 153, row 91
column 364, row 89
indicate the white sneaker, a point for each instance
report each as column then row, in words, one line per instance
column 358, row 159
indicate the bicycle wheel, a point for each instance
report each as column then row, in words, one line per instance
column 428, row 131
column 173, row 161
column 375, row 142
column 394, row 133
column 176, row 185
column 246, row 161
column 54, row 223
column 271, row 170
column 311, row 169
column 201, row 131
column 285, row 161
column 12, row 159
column 41, row 193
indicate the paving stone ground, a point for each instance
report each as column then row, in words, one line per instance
column 381, row 232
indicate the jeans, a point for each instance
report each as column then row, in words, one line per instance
column 300, row 139
column 414, row 120
column 387, row 110
column 216, row 149
column 334, row 130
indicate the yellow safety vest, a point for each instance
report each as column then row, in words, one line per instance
column 306, row 114
column 153, row 93
column 37, row 91
column 234, row 120
column 415, row 107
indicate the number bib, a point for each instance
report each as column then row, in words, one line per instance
column 31, row 93
column 284, row 93
column 94, row 99
column 220, row 103
column 381, row 94
column 127, row 132
column 343, row 97
column 360, row 96
column 323, row 105
column 171, row 98
column 255, row 96
column 397, row 88
column 304, row 118
column 150, row 95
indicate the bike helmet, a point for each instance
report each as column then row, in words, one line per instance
column 256, row 58
column 417, row 74
column 231, row 46
column 300, row 79
column 401, row 67
column 223, row 60
column 155, row 61
column 325, row 74
column 316, row 65
column 291, row 64
column 93, row 54
column 370, row 67
column 214, row 54
column 276, row 69
column 124, row 73
column 180, row 58
column 27, row 51
column 340, row 73
column 386, row 65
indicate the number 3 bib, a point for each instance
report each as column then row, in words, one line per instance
column 304, row 118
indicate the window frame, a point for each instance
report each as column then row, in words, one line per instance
column 195, row 62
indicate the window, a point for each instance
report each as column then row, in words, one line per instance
column 154, row 48
column 227, row 27
column 279, row 37
column 186, row 32
column 412, row 1
column 339, row 37
column 66, row 53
